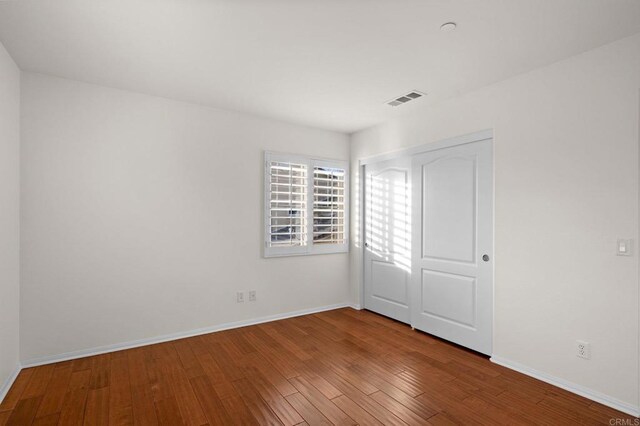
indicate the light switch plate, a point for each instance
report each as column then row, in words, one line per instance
column 624, row 247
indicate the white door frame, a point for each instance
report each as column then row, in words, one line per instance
column 412, row 150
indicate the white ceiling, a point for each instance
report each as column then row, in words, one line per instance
column 325, row 63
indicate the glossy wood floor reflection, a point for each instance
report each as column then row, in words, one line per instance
column 337, row 367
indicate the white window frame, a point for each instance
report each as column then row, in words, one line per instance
column 310, row 248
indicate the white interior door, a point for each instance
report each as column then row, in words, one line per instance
column 388, row 238
column 452, row 283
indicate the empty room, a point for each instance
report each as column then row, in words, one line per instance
column 297, row 212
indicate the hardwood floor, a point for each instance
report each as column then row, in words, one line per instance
column 336, row 367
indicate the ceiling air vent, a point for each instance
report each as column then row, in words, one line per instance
column 406, row 98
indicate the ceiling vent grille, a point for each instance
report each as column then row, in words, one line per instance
column 406, row 98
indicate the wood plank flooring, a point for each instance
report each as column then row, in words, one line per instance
column 340, row 367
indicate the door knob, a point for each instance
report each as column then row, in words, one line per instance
column 485, row 257
column 366, row 244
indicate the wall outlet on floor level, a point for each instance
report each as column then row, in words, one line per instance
column 252, row 296
column 583, row 349
column 240, row 297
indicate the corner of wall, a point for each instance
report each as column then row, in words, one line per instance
column 10, row 139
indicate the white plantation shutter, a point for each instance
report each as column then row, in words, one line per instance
column 329, row 205
column 287, row 210
column 306, row 204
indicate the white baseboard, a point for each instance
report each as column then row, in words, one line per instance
column 174, row 336
column 4, row 389
column 356, row 306
column 569, row 386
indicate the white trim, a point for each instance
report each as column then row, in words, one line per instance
column 355, row 306
column 361, row 231
column 430, row 146
column 175, row 336
column 569, row 386
column 4, row 389
column 638, row 282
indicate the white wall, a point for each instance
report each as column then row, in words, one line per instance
column 9, row 215
column 566, row 187
column 142, row 217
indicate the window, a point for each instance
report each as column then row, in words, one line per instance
column 306, row 205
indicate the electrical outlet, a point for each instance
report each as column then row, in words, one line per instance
column 625, row 248
column 252, row 296
column 240, row 297
column 583, row 349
